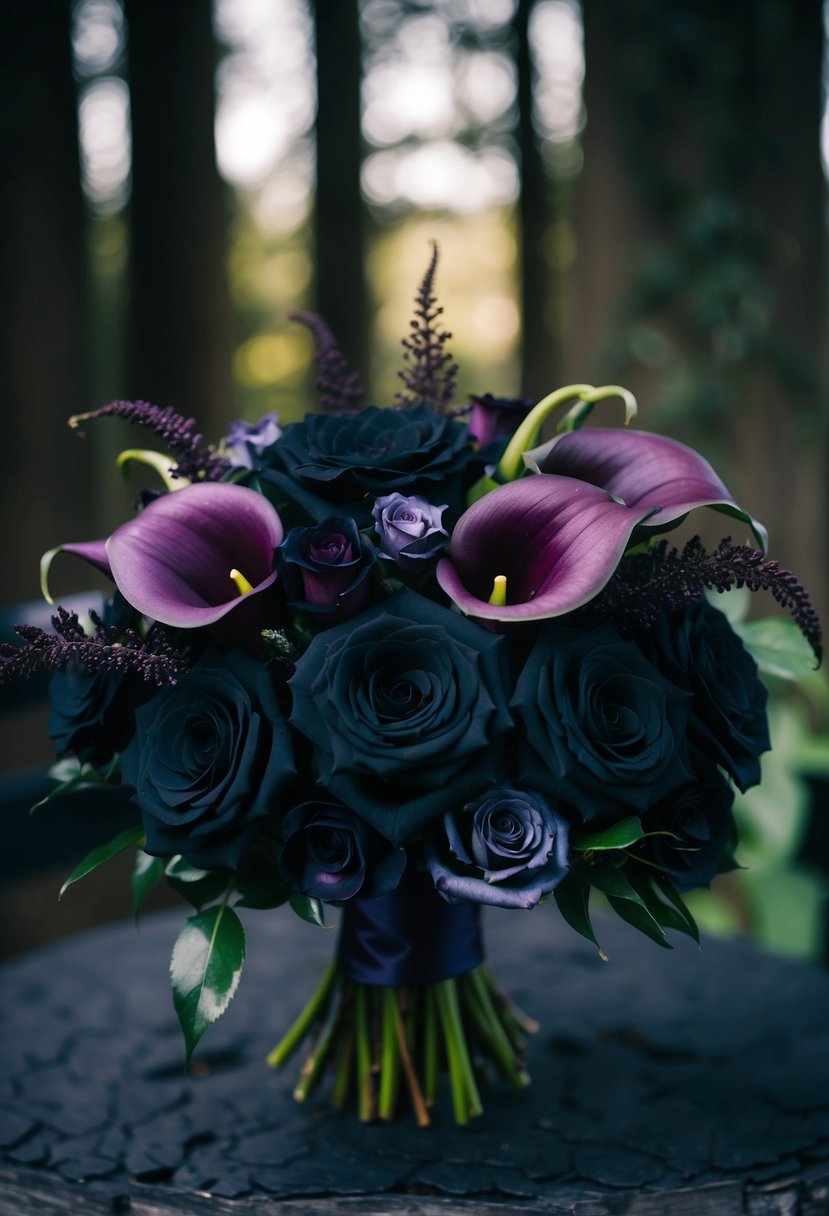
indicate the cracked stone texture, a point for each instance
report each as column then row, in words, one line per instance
column 671, row 1082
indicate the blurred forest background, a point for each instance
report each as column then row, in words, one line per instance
column 623, row 190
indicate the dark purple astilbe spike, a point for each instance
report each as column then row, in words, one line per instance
column 105, row 649
column 429, row 372
column 663, row 579
column 194, row 459
column 339, row 388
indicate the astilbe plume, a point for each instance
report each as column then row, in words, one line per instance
column 193, row 458
column 339, row 388
column 429, row 373
column 663, row 579
column 113, row 649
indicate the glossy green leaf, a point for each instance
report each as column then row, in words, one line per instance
column 309, row 909
column 70, row 776
column 146, row 873
column 572, row 896
column 777, row 647
column 691, row 927
column 260, row 890
column 619, row 836
column 666, row 915
column 198, row 887
column 205, row 970
column 104, row 852
column 636, row 914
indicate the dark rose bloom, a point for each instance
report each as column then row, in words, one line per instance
column 208, row 761
column 342, row 458
column 699, row 820
column 332, row 854
column 507, row 848
column 699, row 650
column 324, row 568
column 409, row 528
column 246, row 442
column 493, row 418
column 92, row 713
column 603, row 730
column 405, row 707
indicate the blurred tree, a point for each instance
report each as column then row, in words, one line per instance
column 179, row 309
column 43, row 341
column 338, row 215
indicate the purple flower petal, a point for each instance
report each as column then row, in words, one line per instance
column 643, row 470
column 173, row 561
column 556, row 539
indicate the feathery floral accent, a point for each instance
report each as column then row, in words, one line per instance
column 106, row 649
column 339, row 388
column 193, row 458
column 429, row 373
column 647, row 584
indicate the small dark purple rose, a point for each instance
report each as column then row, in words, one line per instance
column 245, row 442
column 508, row 848
column 695, row 825
column 409, row 528
column 332, row 854
column 324, row 568
column 492, row 418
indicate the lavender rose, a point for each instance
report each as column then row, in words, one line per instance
column 507, row 848
column 246, row 441
column 409, row 528
column 332, row 854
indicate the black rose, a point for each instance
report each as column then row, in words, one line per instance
column 603, row 730
column 697, row 824
column 406, row 709
column 332, row 854
column 508, row 848
column 342, row 458
column 698, row 649
column 208, row 760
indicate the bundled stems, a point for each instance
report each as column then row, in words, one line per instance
column 373, row 1038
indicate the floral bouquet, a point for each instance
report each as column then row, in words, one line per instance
column 407, row 662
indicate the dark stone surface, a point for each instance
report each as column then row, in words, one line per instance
column 663, row 1082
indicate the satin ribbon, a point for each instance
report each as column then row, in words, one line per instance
column 409, row 937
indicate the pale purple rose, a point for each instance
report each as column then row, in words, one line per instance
column 508, row 848
column 409, row 528
column 246, row 441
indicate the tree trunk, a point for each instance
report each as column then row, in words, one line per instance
column 179, row 310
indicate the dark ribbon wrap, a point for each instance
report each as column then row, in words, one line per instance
column 409, row 937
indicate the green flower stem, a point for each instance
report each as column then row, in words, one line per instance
column 465, row 1097
column 342, row 1078
column 511, row 464
column 365, row 1076
column 415, row 1092
column 313, row 1066
column 486, row 1015
column 389, row 1056
column 509, row 1010
column 312, row 1011
column 430, row 1046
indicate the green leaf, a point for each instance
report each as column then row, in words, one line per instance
column 678, row 902
column 198, row 887
column 667, row 915
column 103, row 853
column 636, row 914
column 205, row 970
column 309, row 909
column 145, row 875
column 777, row 647
column 70, row 775
column 619, row 836
column 260, row 891
column 572, row 896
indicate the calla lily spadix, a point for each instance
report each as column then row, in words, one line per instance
column 191, row 557
column 556, row 540
column 642, row 470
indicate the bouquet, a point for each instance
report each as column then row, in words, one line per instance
column 407, row 662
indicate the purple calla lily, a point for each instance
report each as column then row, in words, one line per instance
column 643, row 470
column 555, row 539
column 173, row 562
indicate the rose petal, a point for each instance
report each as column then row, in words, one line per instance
column 557, row 540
